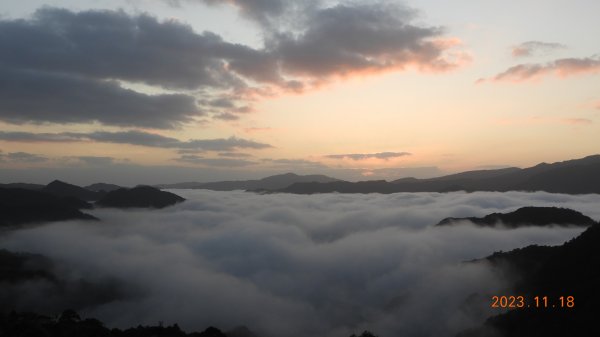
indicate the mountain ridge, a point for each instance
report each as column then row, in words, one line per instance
column 273, row 182
column 576, row 176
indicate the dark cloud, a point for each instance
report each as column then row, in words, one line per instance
column 234, row 155
column 219, row 162
column 359, row 37
column 531, row 48
column 61, row 67
column 562, row 67
column 113, row 44
column 66, row 67
column 22, row 157
column 306, row 42
column 224, row 144
column 295, row 163
column 140, row 138
column 95, row 160
column 321, row 265
column 226, row 116
column 262, row 11
column 36, row 96
column 363, row 156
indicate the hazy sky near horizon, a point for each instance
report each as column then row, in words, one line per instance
column 240, row 89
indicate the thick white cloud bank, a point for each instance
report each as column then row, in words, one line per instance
column 293, row 265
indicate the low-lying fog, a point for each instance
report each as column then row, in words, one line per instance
column 292, row 265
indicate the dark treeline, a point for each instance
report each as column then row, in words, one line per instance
column 69, row 324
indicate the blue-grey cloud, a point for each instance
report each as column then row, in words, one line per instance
column 22, row 157
column 294, row 163
column 564, row 67
column 95, row 160
column 134, row 137
column 37, row 96
column 67, row 67
column 116, row 45
column 218, row 162
column 531, row 48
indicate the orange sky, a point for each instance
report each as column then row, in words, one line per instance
column 237, row 92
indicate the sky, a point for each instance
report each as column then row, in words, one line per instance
column 286, row 265
column 161, row 91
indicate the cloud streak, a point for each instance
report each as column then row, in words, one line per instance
column 534, row 71
column 134, row 137
column 365, row 156
column 218, row 162
column 22, row 157
column 288, row 265
column 530, row 48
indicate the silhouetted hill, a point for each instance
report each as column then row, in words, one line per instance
column 140, row 196
column 577, row 176
column 19, row 206
column 63, row 189
column 572, row 269
column 269, row 183
column 527, row 216
column 102, row 187
column 70, row 324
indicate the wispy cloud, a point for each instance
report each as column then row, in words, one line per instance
column 562, row 67
column 363, row 156
column 218, row 162
column 294, row 163
column 134, row 137
column 22, row 157
column 531, row 48
column 577, row 121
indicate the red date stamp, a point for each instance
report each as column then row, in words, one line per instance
column 520, row 302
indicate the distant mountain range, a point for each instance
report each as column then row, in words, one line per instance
column 579, row 176
column 527, row 216
column 270, row 183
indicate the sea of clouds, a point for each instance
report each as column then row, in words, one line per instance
column 297, row 265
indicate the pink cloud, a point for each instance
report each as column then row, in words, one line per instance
column 577, row 121
column 535, row 71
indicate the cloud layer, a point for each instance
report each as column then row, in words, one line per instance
column 289, row 265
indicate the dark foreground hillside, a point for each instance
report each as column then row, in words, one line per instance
column 572, row 269
column 70, row 324
column 20, row 206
